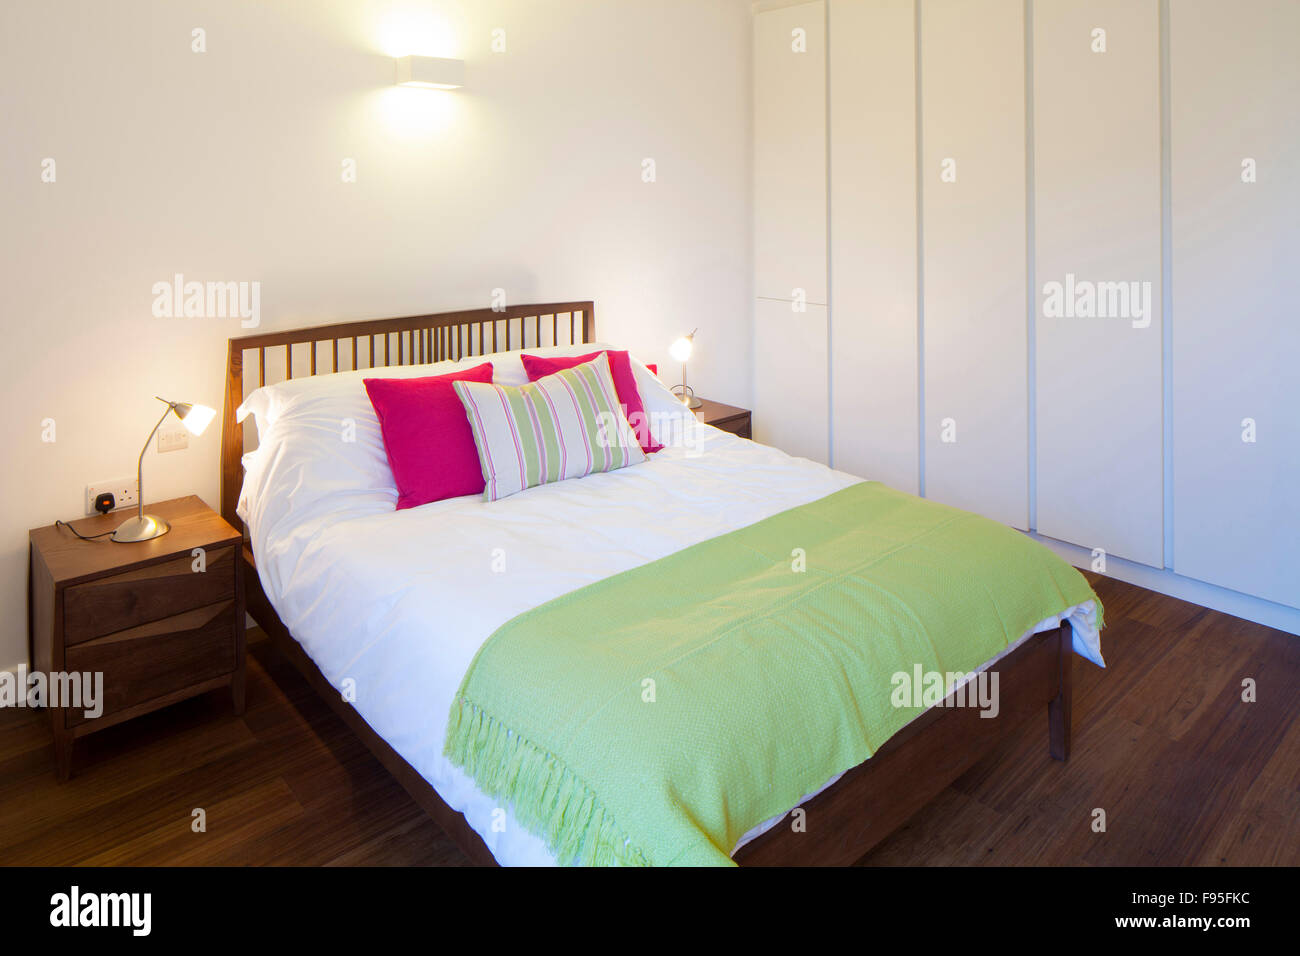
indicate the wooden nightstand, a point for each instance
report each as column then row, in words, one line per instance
column 727, row 417
column 145, row 615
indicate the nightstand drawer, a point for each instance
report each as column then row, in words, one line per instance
column 147, row 594
column 738, row 426
column 728, row 418
column 158, row 658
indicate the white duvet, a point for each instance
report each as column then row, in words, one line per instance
column 392, row 606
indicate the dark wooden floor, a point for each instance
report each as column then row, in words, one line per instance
column 1185, row 771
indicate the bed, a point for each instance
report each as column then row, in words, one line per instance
column 383, row 611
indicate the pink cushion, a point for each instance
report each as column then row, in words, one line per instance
column 620, row 369
column 427, row 435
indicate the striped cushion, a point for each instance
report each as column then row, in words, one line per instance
column 565, row 425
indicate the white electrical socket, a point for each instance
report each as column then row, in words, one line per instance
column 173, row 439
column 123, row 490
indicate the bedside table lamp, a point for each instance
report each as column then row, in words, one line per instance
column 145, row 527
column 681, row 352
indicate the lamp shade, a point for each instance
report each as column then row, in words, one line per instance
column 196, row 418
column 681, row 349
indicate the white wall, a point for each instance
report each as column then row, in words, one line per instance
column 226, row 165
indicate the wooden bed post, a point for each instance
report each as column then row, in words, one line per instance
column 1058, row 708
column 232, row 436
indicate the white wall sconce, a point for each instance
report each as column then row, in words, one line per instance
column 430, row 72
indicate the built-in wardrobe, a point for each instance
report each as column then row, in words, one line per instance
column 1041, row 260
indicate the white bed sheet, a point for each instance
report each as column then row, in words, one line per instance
column 394, row 605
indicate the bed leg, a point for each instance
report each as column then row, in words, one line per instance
column 1058, row 708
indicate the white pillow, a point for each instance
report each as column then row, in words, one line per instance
column 268, row 403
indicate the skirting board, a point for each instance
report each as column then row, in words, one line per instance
column 1185, row 589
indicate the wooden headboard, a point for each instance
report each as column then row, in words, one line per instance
column 379, row 343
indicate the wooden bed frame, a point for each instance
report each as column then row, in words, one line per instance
column 842, row 823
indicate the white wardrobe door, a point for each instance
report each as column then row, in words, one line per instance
column 975, row 286
column 1235, row 86
column 790, row 390
column 790, row 153
column 1099, row 389
column 873, row 240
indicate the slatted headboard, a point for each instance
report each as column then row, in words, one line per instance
column 379, row 343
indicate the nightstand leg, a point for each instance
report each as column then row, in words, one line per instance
column 237, row 692
column 62, row 756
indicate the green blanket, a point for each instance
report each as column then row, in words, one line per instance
column 654, row 717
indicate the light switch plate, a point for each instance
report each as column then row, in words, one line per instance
column 172, row 439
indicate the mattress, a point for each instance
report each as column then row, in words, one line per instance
column 392, row 606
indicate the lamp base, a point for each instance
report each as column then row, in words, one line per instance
column 139, row 528
column 686, row 395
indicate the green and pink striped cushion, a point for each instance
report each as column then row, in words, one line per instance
column 565, row 425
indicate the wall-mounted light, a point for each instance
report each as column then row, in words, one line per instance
column 430, row 72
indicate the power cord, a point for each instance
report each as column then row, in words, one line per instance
column 83, row 537
column 104, row 503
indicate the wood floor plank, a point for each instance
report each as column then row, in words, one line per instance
column 1200, row 779
column 957, row 831
column 247, row 816
column 1277, row 786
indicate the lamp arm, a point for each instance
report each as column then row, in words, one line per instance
column 139, row 465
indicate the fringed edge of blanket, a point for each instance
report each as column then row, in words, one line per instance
column 548, row 798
